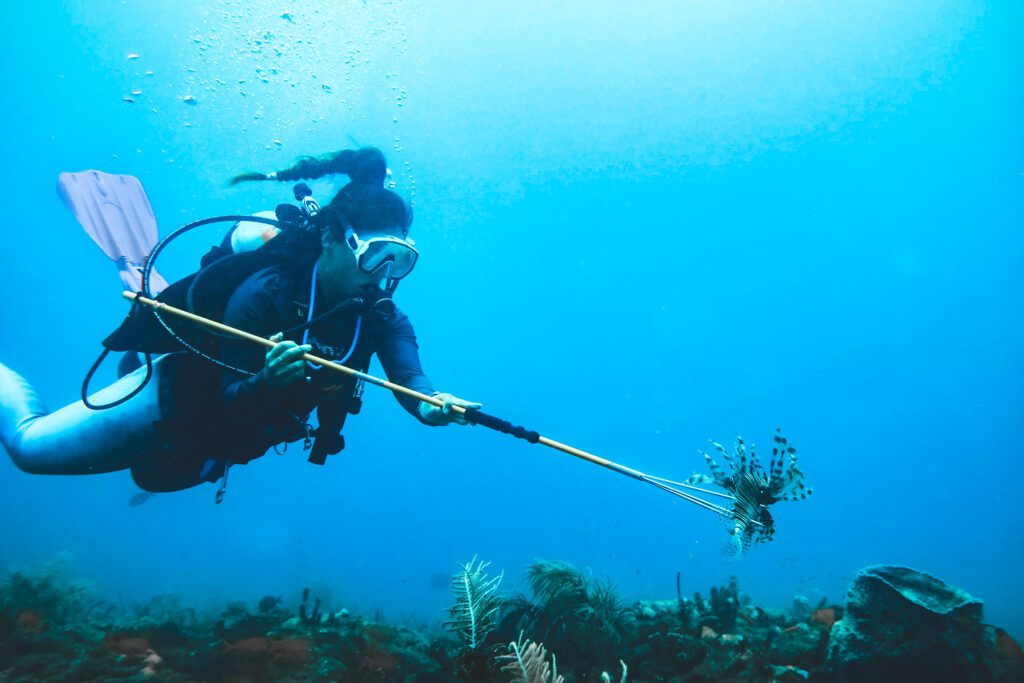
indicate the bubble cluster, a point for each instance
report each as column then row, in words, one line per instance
column 283, row 75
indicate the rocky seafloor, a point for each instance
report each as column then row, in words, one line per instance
column 895, row 624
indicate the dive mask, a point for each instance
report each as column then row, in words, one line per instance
column 390, row 257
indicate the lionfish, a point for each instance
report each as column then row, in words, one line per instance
column 754, row 489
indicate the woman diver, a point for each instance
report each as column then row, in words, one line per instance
column 325, row 289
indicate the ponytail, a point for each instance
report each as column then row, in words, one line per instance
column 364, row 203
column 366, row 165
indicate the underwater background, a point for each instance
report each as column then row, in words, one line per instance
column 642, row 226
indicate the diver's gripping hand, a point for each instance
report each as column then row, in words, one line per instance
column 444, row 415
column 284, row 364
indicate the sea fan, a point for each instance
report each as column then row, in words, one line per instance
column 573, row 606
column 577, row 616
column 527, row 662
column 606, row 677
column 472, row 615
column 558, row 584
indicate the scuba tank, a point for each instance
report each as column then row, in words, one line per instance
column 250, row 235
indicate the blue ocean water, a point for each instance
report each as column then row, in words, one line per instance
column 642, row 227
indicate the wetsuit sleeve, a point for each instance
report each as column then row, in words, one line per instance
column 249, row 310
column 253, row 308
column 400, row 357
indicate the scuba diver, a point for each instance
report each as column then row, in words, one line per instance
column 320, row 282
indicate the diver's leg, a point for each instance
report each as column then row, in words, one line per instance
column 76, row 439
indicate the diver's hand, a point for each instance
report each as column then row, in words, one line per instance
column 284, row 363
column 444, row 415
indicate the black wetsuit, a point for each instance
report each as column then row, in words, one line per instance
column 274, row 300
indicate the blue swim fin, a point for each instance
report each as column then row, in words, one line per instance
column 116, row 212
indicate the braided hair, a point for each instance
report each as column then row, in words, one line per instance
column 364, row 204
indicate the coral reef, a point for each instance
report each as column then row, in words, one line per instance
column 897, row 624
column 725, row 605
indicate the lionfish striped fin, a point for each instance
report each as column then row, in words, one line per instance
column 778, row 454
column 741, row 452
column 719, row 474
column 725, row 455
column 791, row 486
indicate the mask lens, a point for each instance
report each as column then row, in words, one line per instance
column 389, row 252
